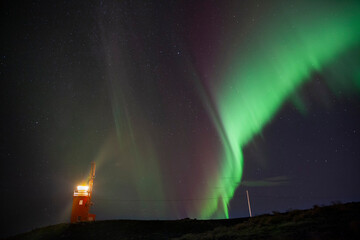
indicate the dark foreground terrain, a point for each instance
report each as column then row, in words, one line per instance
column 339, row 221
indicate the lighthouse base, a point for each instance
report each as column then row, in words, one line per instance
column 80, row 210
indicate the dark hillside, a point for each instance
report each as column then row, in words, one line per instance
column 340, row 221
column 126, row 229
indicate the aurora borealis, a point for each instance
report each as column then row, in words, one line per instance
column 280, row 58
column 182, row 105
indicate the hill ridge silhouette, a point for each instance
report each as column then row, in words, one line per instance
column 338, row 221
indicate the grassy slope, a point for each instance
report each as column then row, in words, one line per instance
column 341, row 221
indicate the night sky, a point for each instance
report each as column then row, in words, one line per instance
column 183, row 105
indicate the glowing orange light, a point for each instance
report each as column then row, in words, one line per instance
column 82, row 188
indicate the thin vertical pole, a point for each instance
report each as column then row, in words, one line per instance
column 247, row 194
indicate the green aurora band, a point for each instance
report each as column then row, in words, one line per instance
column 262, row 75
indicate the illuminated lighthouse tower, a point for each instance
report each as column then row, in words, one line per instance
column 82, row 200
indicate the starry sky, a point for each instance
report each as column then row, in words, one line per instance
column 183, row 105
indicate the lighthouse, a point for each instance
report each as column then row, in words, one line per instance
column 82, row 200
